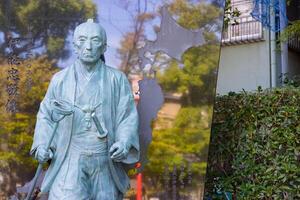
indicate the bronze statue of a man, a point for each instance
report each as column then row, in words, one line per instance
column 90, row 146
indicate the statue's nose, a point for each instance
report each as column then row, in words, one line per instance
column 88, row 45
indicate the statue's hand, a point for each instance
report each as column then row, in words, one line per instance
column 42, row 155
column 119, row 151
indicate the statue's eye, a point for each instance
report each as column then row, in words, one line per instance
column 96, row 41
column 82, row 39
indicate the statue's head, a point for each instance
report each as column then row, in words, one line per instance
column 89, row 41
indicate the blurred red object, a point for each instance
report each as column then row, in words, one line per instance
column 139, row 187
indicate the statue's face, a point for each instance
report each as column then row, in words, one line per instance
column 89, row 43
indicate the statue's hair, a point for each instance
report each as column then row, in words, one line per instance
column 91, row 22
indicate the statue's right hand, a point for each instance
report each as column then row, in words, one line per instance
column 42, row 155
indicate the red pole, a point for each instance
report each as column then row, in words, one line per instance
column 139, row 187
column 139, row 179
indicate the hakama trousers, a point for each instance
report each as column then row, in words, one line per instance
column 84, row 176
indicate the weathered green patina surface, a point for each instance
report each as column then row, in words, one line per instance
column 91, row 145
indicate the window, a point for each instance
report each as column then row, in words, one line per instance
column 244, row 28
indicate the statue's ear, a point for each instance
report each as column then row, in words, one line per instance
column 104, row 48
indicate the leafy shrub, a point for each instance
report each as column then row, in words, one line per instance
column 255, row 145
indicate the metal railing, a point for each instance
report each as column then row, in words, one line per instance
column 244, row 30
column 294, row 43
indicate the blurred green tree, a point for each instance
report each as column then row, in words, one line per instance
column 186, row 141
column 197, row 77
column 16, row 130
column 293, row 29
column 48, row 22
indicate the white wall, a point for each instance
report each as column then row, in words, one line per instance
column 244, row 66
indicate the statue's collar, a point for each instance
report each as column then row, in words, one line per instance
column 71, row 80
column 71, row 77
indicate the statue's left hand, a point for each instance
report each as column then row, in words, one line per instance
column 119, row 151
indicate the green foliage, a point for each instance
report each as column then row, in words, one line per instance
column 255, row 145
column 230, row 14
column 196, row 78
column 291, row 31
column 16, row 130
column 291, row 81
column 54, row 45
column 17, row 141
column 49, row 22
column 186, row 142
column 194, row 15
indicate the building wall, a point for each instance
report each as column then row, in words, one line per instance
column 244, row 66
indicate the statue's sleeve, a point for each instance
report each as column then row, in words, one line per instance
column 44, row 125
column 127, row 121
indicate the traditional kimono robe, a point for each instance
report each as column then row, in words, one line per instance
column 114, row 108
